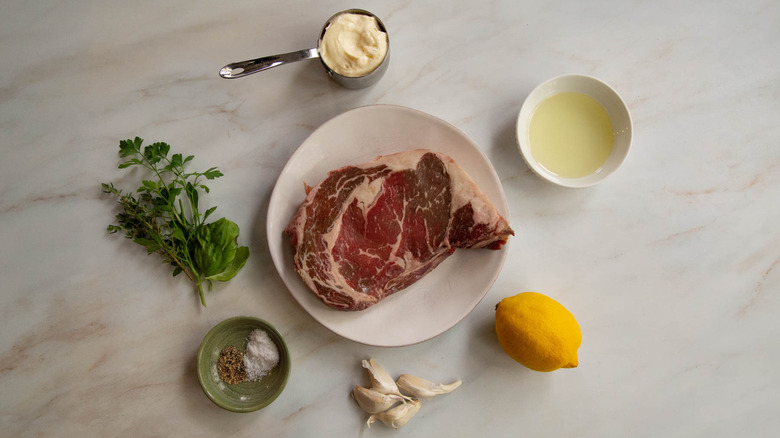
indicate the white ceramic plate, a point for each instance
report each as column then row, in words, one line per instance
column 439, row 300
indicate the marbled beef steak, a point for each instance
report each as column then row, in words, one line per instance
column 370, row 230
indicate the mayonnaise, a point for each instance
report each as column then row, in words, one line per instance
column 353, row 45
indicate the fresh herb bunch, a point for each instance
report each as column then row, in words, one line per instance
column 163, row 216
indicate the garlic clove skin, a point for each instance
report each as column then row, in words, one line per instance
column 380, row 380
column 421, row 388
column 398, row 416
column 374, row 402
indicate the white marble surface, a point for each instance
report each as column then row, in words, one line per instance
column 672, row 266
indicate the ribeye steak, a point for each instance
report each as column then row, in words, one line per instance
column 370, row 230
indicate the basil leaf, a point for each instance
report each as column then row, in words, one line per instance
column 230, row 271
column 216, row 249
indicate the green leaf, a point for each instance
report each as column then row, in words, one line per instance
column 178, row 234
column 161, row 204
column 129, row 147
column 129, row 163
column 109, row 188
column 150, row 155
column 230, row 271
column 175, row 163
column 151, row 245
column 149, row 186
column 216, row 247
column 173, row 192
column 208, row 212
column 212, row 173
column 162, row 148
column 156, row 152
column 192, row 193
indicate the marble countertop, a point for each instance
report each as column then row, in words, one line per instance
column 671, row 266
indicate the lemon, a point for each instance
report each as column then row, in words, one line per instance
column 538, row 332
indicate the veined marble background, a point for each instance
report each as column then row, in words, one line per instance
column 671, row 266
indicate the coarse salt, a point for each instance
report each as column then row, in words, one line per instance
column 261, row 354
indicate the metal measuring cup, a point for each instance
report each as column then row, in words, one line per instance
column 244, row 68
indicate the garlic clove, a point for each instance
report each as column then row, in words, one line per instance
column 421, row 388
column 398, row 416
column 380, row 380
column 374, row 402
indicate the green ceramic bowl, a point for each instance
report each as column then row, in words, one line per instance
column 246, row 396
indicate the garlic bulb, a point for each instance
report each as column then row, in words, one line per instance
column 398, row 416
column 374, row 402
column 380, row 380
column 421, row 388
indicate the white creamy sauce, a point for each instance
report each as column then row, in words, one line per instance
column 353, row 45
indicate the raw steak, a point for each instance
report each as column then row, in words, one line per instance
column 370, row 230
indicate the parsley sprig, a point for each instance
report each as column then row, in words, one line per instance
column 163, row 216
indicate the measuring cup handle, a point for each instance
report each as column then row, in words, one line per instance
column 243, row 68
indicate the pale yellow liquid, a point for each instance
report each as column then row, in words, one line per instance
column 571, row 135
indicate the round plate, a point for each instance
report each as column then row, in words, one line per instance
column 437, row 301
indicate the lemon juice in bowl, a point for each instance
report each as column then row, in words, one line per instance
column 571, row 135
column 574, row 130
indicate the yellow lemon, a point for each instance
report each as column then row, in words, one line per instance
column 538, row 332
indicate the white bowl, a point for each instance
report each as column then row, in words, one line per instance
column 602, row 93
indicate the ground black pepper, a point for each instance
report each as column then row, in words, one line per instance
column 230, row 366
